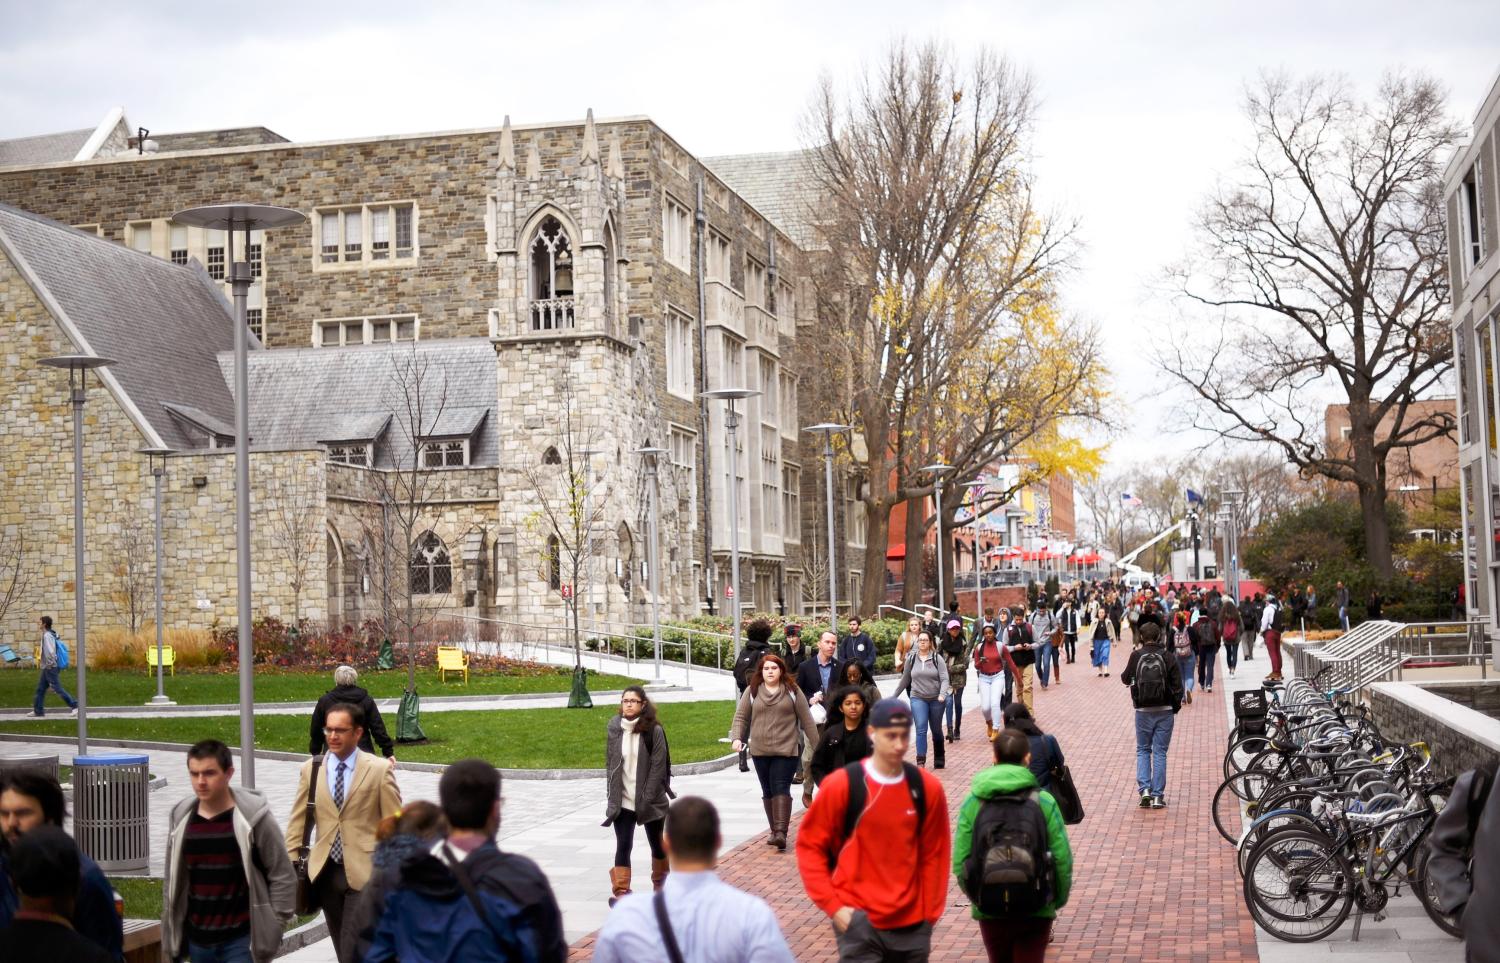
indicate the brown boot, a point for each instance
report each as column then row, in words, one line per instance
column 619, row 882
column 807, row 794
column 770, row 821
column 658, row 873
column 989, row 732
column 781, row 817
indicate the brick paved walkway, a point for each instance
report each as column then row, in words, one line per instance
column 1147, row 885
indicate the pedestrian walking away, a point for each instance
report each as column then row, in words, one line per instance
column 1183, row 646
column 31, row 801
column 874, row 850
column 347, row 691
column 1010, row 829
column 769, row 715
column 229, row 889
column 349, row 791
column 638, row 781
column 1106, row 631
column 1230, row 630
column 1156, row 693
column 1341, row 599
column 399, row 839
column 925, row 678
column 45, row 871
column 955, row 651
column 844, row 739
column 993, row 665
column 696, row 916
column 1205, row 632
column 1046, row 752
column 466, row 901
column 54, row 656
column 857, row 646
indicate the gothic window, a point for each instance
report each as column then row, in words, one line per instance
column 554, row 563
column 431, row 571
column 551, row 255
column 611, row 269
column 551, row 457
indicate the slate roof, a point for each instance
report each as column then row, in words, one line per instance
column 163, row 324
column 44, row 148
column 300, row 397
column 779, row 185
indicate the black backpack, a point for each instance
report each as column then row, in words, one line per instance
column 745, row 665
column 1276, row 624
column 1149, row 688
column 1009, row 873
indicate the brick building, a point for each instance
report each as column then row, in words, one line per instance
column 593, row 269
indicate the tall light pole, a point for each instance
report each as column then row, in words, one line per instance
column 586, row 546
column 78, row 366
column 938, row 471
column 731, row 423
column 976, row 492
column 157, row 457
column 1232, row 539
column 649, row 457
column 828, row 429
column 244, row 218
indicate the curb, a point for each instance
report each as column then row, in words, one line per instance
column 538, row 775
column 303, row 936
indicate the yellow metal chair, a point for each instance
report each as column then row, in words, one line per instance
column 168, row 658
column 450, row 658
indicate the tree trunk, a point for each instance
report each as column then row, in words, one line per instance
column 877, row 531
column 916, row 534
column 1377, row 529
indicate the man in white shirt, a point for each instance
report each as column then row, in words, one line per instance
column 705, row 920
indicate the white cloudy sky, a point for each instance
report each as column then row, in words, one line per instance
column 1140, row 101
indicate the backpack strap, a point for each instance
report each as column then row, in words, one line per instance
column 859, row 795
column 502, row 941
column 663, row 923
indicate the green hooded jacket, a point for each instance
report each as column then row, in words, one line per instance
column 998, row 780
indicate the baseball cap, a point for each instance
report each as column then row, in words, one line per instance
column 44, row 863
column 955, row 624
column 890, row 712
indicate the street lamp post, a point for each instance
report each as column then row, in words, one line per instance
column 828, row 429
column 157, row 457
column 732, row 422
column 78, row 366
column 649, row 457
column 1232, row 538
column 244, row 218
column 938, row 471
column 976, row 492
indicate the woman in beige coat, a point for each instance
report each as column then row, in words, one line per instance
column 768, row 716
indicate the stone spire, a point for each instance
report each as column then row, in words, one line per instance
column 616, row 165
column 507, row 147
column 533, row 161
column 590, row 153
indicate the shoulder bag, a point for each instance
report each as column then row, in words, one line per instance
column 1069, row 803
column 307, row 894
column 668, row 937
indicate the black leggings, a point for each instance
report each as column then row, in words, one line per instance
column 1070, row 646
column 625, row 837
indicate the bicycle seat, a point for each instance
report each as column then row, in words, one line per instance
column 1284, row 745
column 1272, row 686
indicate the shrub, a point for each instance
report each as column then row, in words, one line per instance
column 118, row 648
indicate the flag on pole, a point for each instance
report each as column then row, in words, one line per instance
column 1130, row 501
column 1193, row 498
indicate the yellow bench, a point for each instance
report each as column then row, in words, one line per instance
column 450, row 658
column 168, row 658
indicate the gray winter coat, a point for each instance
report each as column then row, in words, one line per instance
column 650, row 773
column 273, row 884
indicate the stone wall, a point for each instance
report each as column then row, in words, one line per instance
column 1459, row 737
column 1481, row 696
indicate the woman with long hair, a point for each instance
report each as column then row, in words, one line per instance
column 925, row 677
column 767, row 717
column 955, row 651
column 844, row 739
column 636, row 780
column 405, row 835
column 857, row 675
column 907, row 640
column 1230, row 627
column 1046, row 754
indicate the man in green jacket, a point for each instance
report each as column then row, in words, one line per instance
column 1020, row 940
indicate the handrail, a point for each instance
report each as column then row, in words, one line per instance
column 631, row 638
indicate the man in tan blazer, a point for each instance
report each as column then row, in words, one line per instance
column 355, row 790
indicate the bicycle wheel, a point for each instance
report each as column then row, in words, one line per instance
column 1267, row 823
column 1299, row 886
column 1425, row 888
column 1235, row 799
column 1241, row 751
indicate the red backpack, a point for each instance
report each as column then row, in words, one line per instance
column 1231, row 630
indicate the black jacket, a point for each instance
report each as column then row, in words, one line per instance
column 810, row 680
column 837, row 748
column 795, row 659
column 1174, row 673
column 374, row 725
column 748, row 662
column 1463, row 841
column 857, row 648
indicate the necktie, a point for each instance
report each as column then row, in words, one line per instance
column 336, row 851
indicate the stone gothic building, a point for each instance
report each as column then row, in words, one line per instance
column 555, row 288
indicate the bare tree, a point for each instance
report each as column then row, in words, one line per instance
column 134, row 568
column 295, row 524
column 15, row 570
column 570, row 506
column 1323, row 264
column 932, row 240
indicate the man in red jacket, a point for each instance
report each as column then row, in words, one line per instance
column 885, row 882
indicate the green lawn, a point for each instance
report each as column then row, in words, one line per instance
column 142, row 896
column 509, row 738
column 113, row 687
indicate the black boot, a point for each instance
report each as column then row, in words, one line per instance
column 958, row 728
column 937, row 756
column 744, row 760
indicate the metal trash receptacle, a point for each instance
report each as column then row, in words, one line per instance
column 111, row 811
column 29, row 763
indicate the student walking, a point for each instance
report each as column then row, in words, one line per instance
column 1206, row 634
column 818, row 678
column 1156, row 692
column 45, row 869
column 696, row 916
column 1270, row 633
column 638, row 777
column 992, row 664
column 1106, row 631
column 769, row 715
column 1068, row 620
column 857, row 646
column 1004, row 802
column 1229, row 633
column 1021, row 644
column 1183, row 647
column 1046, row 753
column 346, row 689
column 907, row 640
column 1043, row 626
column 884, row 884
column 844, row 738
column 925, row 678
column 229, row 889
column 50, row 665
column 855, row 674
column 399, row 839
column 955, row 651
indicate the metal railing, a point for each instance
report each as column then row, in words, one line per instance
column 1375, row 651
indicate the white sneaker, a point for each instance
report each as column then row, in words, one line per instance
column 35, row 715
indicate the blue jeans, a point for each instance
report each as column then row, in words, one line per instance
column 1344, row 618
column 953, row 710
column 775, row 774
column 231, row 951
column 49, row 680
column 923, row 712
column 1153, row 734
column 1045, row 653
column 1232, row 654
column 1186, row 664
column 1207, row 657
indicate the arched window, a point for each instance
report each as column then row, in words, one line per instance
column 335, row 586
column 551, row 457
column 431, row 570
column 551, row 287
column 554, row 563
column 611, row 272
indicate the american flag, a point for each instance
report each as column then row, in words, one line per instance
column 1130, row 501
